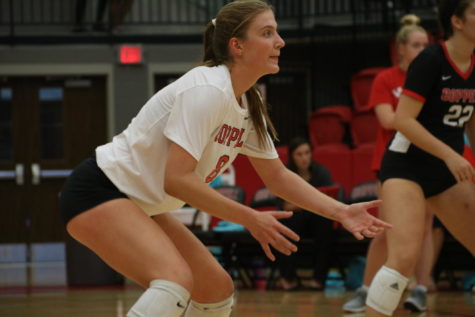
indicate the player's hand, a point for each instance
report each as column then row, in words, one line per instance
column 268, row 231
column 356, row 219
column 460, row 168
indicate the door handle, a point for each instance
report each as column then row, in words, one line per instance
column 38, row 173
column 18, row 174
column 35, row 173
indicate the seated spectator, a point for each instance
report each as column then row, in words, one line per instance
column 307, row 224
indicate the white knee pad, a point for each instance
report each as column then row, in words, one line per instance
column 162, row 298
column 386, row 290
column 220, row 309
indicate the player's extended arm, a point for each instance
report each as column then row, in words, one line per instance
column 293, row 188
column 182, row 182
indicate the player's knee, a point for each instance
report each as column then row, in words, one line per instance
column 162, row 298
column 225, row 282
column 223, row 287
column 179, row 272
column 386, row 290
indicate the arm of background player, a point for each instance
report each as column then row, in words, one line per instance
column 385, row 114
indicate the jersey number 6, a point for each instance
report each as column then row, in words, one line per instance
column 458, row 115
column 219, row 166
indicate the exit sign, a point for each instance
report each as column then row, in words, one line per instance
column 130, row 54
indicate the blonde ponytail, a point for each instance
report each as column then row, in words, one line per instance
column 410, row 23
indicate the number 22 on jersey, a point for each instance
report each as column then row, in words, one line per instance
column 458, row 115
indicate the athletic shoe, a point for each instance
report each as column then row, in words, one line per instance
column 358, row 303
column 416, row 302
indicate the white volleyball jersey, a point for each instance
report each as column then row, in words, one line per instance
column 200, row 113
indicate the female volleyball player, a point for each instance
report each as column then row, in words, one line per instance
column 411, row 39
column 185, row 135
column 423, row 164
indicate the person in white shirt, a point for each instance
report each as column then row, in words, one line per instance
column 188, row 133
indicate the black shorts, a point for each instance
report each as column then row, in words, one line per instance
column 86, row 188
column 431, row 174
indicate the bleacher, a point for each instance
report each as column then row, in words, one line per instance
column 49, row 21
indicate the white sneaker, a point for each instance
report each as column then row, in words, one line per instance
column 416, row 302
column 357, row 304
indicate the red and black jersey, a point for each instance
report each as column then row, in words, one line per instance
column 448, row 95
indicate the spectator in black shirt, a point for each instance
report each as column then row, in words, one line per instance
column 307, row 224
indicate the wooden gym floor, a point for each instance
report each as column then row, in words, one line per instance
column 114, row 302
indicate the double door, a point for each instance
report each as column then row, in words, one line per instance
column 47, row 126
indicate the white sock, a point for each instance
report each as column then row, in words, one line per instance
column 162, row 298
column 220, row 309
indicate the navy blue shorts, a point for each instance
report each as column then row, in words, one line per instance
column 86, row 188
column 432, row 175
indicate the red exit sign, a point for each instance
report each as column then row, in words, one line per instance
column 130, row 54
